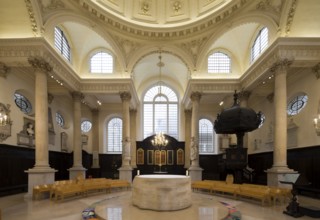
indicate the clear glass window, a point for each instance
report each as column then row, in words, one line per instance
column 206, row 137
column 260, row 43
column 61, row 43
column 219, row 63
column 101, row 62
column 160, row 111
column 114, row 129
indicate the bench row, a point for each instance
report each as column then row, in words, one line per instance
column 262, row 193
column 61, row 189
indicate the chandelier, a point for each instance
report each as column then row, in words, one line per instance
column 159, row 140
column 4, row 115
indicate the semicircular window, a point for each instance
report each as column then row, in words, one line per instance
column 23, row 103
column 86, row 126
column 297, row 104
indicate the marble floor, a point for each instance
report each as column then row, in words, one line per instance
column 118, row 206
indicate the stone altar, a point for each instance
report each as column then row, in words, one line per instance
column 161, row 192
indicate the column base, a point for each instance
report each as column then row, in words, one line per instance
column 195, row 173
column 277, row 174
column 125, row 173
column 77, row 172
column 39, row 176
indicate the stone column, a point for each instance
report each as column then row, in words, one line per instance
column 133, row 135
column 126, row 169
column 280, row 169
column 41, row 173
column 187, row 115
column 95, row 141
column 195, row 170
column 77, row 170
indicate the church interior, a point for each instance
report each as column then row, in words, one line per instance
column 124, row 90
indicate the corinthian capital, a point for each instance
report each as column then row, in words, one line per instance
column 40, row 63
column 195, row 96
column 125, row 96
column 3, row 70
column 77, row 96
column 282, row 64
column 316, row 70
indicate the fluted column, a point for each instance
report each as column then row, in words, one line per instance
column 77, row 170
column 41, row 173
column 95, row 141
column 280, row 168
column 187, row 115
column 195, row 169
column 126, row 169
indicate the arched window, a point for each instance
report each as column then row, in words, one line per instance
column 114, row 134
column 61, row 43
column 260, row 43
column 206, row 137
column 160, row 111
column 101, row 62
column 219, row 63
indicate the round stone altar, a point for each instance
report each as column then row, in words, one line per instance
column 161, row 192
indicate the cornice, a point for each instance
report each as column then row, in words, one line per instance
column 160, row 33
column 303, row 52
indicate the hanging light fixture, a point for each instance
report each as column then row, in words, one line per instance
column 160, row 64
column 159, row 140
column 4, row 115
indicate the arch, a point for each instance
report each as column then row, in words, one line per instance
column 253, row 17
column 61, row 18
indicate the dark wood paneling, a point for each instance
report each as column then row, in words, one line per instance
column 304, row 160
column 210, row 166
column 173, row 145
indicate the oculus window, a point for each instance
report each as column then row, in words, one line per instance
column 23, row 103
column 297, row 104
column 101, row 62
column 219, row 63
column 114, row 135
column 86, row 126
column 260, row 43
column 61, row 43
column 206, row 137
column 59, row 119
column 160, row 111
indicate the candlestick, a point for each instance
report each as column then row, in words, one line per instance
column 187, row 173
column 138, row 172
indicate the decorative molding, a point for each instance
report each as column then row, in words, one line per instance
column 32, row 18
column 126, row 28
column 51, row 5
column 125, row 95
column 291, row 14
column 77, row 96
column 316, row 70
column 244, row 95
column 4, row 70
column 270, row 97
column 281, row 64
column 193, row 47
column 195, row 96
column 40, row 63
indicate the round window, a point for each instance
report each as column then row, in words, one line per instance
column 86, row 126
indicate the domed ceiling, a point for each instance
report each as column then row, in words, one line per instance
column 161, row 13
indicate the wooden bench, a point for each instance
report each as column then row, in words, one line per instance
column 260, row 193
column 69, row 190
column 39, row 190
